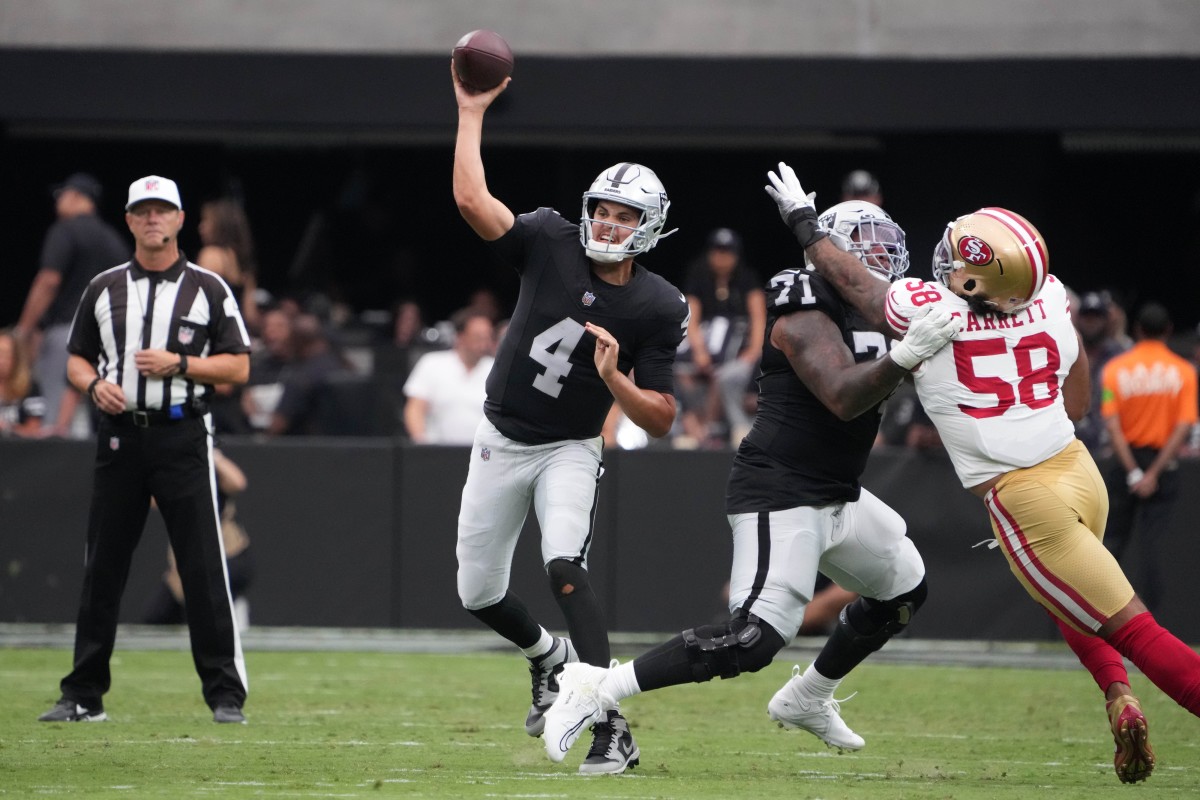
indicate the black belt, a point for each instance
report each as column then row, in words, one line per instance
column 155, row 417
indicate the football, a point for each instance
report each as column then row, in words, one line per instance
column 482, row 60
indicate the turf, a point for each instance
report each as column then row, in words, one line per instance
column 450, row 726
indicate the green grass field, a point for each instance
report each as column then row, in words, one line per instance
column 351, row 725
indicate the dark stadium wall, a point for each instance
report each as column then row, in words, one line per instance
column 356, row 533
column 344, row 161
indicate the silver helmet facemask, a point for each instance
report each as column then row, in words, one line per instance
column 867, row 231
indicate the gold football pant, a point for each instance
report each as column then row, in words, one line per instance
column 1049, row 520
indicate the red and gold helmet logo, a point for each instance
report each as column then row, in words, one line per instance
column 975, row 251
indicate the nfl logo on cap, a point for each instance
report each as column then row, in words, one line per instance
column 153, row 187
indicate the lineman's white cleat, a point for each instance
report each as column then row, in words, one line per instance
column 579, row 705
column 821, row 718
column 544, row 671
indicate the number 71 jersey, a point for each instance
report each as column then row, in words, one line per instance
column 995, row 391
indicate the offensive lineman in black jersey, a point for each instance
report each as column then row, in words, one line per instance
column 796, row 505
column 585, row 317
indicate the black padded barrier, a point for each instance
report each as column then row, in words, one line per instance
column 360, row 532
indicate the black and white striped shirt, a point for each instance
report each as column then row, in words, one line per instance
column 184, row 309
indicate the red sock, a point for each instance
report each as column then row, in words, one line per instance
column 1098, row 656
column 1169, row 663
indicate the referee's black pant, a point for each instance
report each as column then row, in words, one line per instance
column 172, row 462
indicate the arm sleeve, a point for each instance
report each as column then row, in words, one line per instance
column 899, row 307
column 654, row 363
column 1109, row 405
column 513, row 247
column 1188, row 401
column 228, row 330
column 419, row 380
column 84, row 340
column 57, row 249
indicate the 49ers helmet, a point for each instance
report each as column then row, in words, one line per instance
column 637, row 187
column 867, row 231
column 996, row 254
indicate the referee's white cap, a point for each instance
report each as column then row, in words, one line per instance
column 153, row 187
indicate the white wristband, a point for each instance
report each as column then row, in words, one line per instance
column 1134, row 476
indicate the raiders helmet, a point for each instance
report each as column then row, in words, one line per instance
column 994, row 254
column 637, row 187
column 867, row 231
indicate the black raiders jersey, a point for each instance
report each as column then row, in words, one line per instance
column 799, row 453
column 544, row 386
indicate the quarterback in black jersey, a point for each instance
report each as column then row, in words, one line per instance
column 796, row 506
column 590, row 327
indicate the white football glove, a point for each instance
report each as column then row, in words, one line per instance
column 787, row 193
column 797, row 209
column 928, row 331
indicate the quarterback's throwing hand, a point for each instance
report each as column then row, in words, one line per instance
column 607, row 350
column 929, row 330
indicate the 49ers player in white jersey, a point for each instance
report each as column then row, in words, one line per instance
column 1002, row 394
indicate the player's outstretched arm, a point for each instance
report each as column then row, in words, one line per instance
column 814, row 347
column 486, row 215
column 853, row 281
column 848, row 275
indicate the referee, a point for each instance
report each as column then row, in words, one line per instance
column 149, row 341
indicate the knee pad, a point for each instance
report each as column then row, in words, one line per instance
column 567, row 577
column 743, row 644
column 870, row 623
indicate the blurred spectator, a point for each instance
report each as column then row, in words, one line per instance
column 260, row 397
column 1092, row 316
column 167, row 605
column 446, row 389
column 862, row 185
column 1150, row 402
column 21, row 404
column 723, row 344
column 228, row 250
column 1118, row 322
column 314, row 364
column 78, row 246
column 409, row 324
column 485, row 300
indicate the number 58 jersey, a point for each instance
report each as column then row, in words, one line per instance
column 995, row 391
column 544, row 386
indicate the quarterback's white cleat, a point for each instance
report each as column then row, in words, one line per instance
column 579, row 705
column 821, row 718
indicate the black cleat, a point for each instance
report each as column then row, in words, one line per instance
column 228, row 712
column 613, row 748
column 69, row 711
